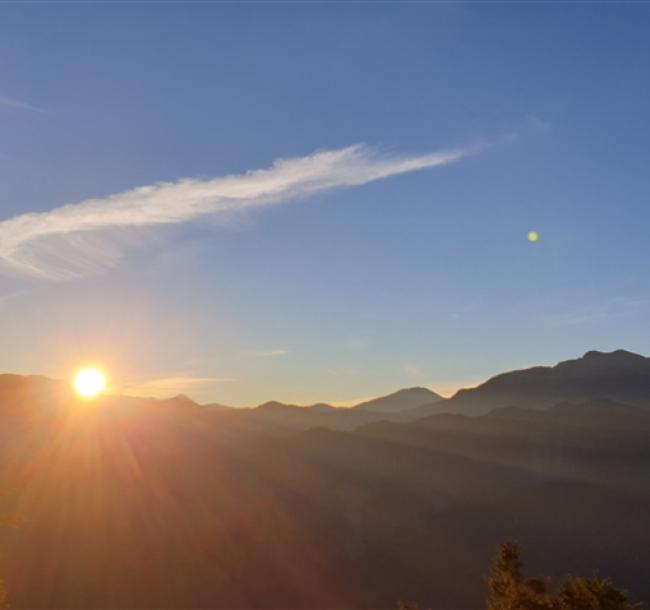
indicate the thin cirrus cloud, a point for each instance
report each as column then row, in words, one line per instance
column 171, row 386
column 267, row 353
column 19, row 104
column 617, row 307
column 81, row 238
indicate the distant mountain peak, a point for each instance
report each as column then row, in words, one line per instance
column 182, row 398
column 619, row 355
column 414, row 390
column 178, row 401
column 608, row 362
column 273, row 405
column 281, row 407
column 402, row 400
column 620, row 376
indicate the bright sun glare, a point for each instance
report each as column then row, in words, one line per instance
column 89, row 382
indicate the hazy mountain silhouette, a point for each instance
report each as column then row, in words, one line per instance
column 140, row 503
column 302, row 418
column 395, row 406
column 619, row 376
column 402, row 400
column 18, row 390
column 149, row 505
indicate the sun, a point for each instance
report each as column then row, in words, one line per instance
column 89, row 382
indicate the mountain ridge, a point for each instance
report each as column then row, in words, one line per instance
column 620, row 376
column 401, row 400
column 230, row 493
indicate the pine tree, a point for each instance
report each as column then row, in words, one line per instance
column 577, row 593
column 508, row 589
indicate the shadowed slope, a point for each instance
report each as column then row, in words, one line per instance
column 161, row 504
column 139, row 503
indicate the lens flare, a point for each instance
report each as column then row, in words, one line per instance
column 533, row 236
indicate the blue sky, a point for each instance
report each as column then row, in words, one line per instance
column 357, row 286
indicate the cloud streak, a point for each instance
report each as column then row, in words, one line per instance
column 172, row 386
column 267, row 353
column 14, row 103
column 51, row 245
column 617, row 307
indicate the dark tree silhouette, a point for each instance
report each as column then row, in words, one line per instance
column 593, row 594
column 509, row 589
column 408, row 606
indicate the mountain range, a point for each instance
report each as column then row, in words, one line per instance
column 140, row 503
column 618, row 376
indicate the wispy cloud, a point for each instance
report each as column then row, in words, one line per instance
column 267, row 353
column 52, row 244
column 538, row 123
column 613, row 308
column 14, row 103
column 9, row 296
column 413, row 371
column 171, row 386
